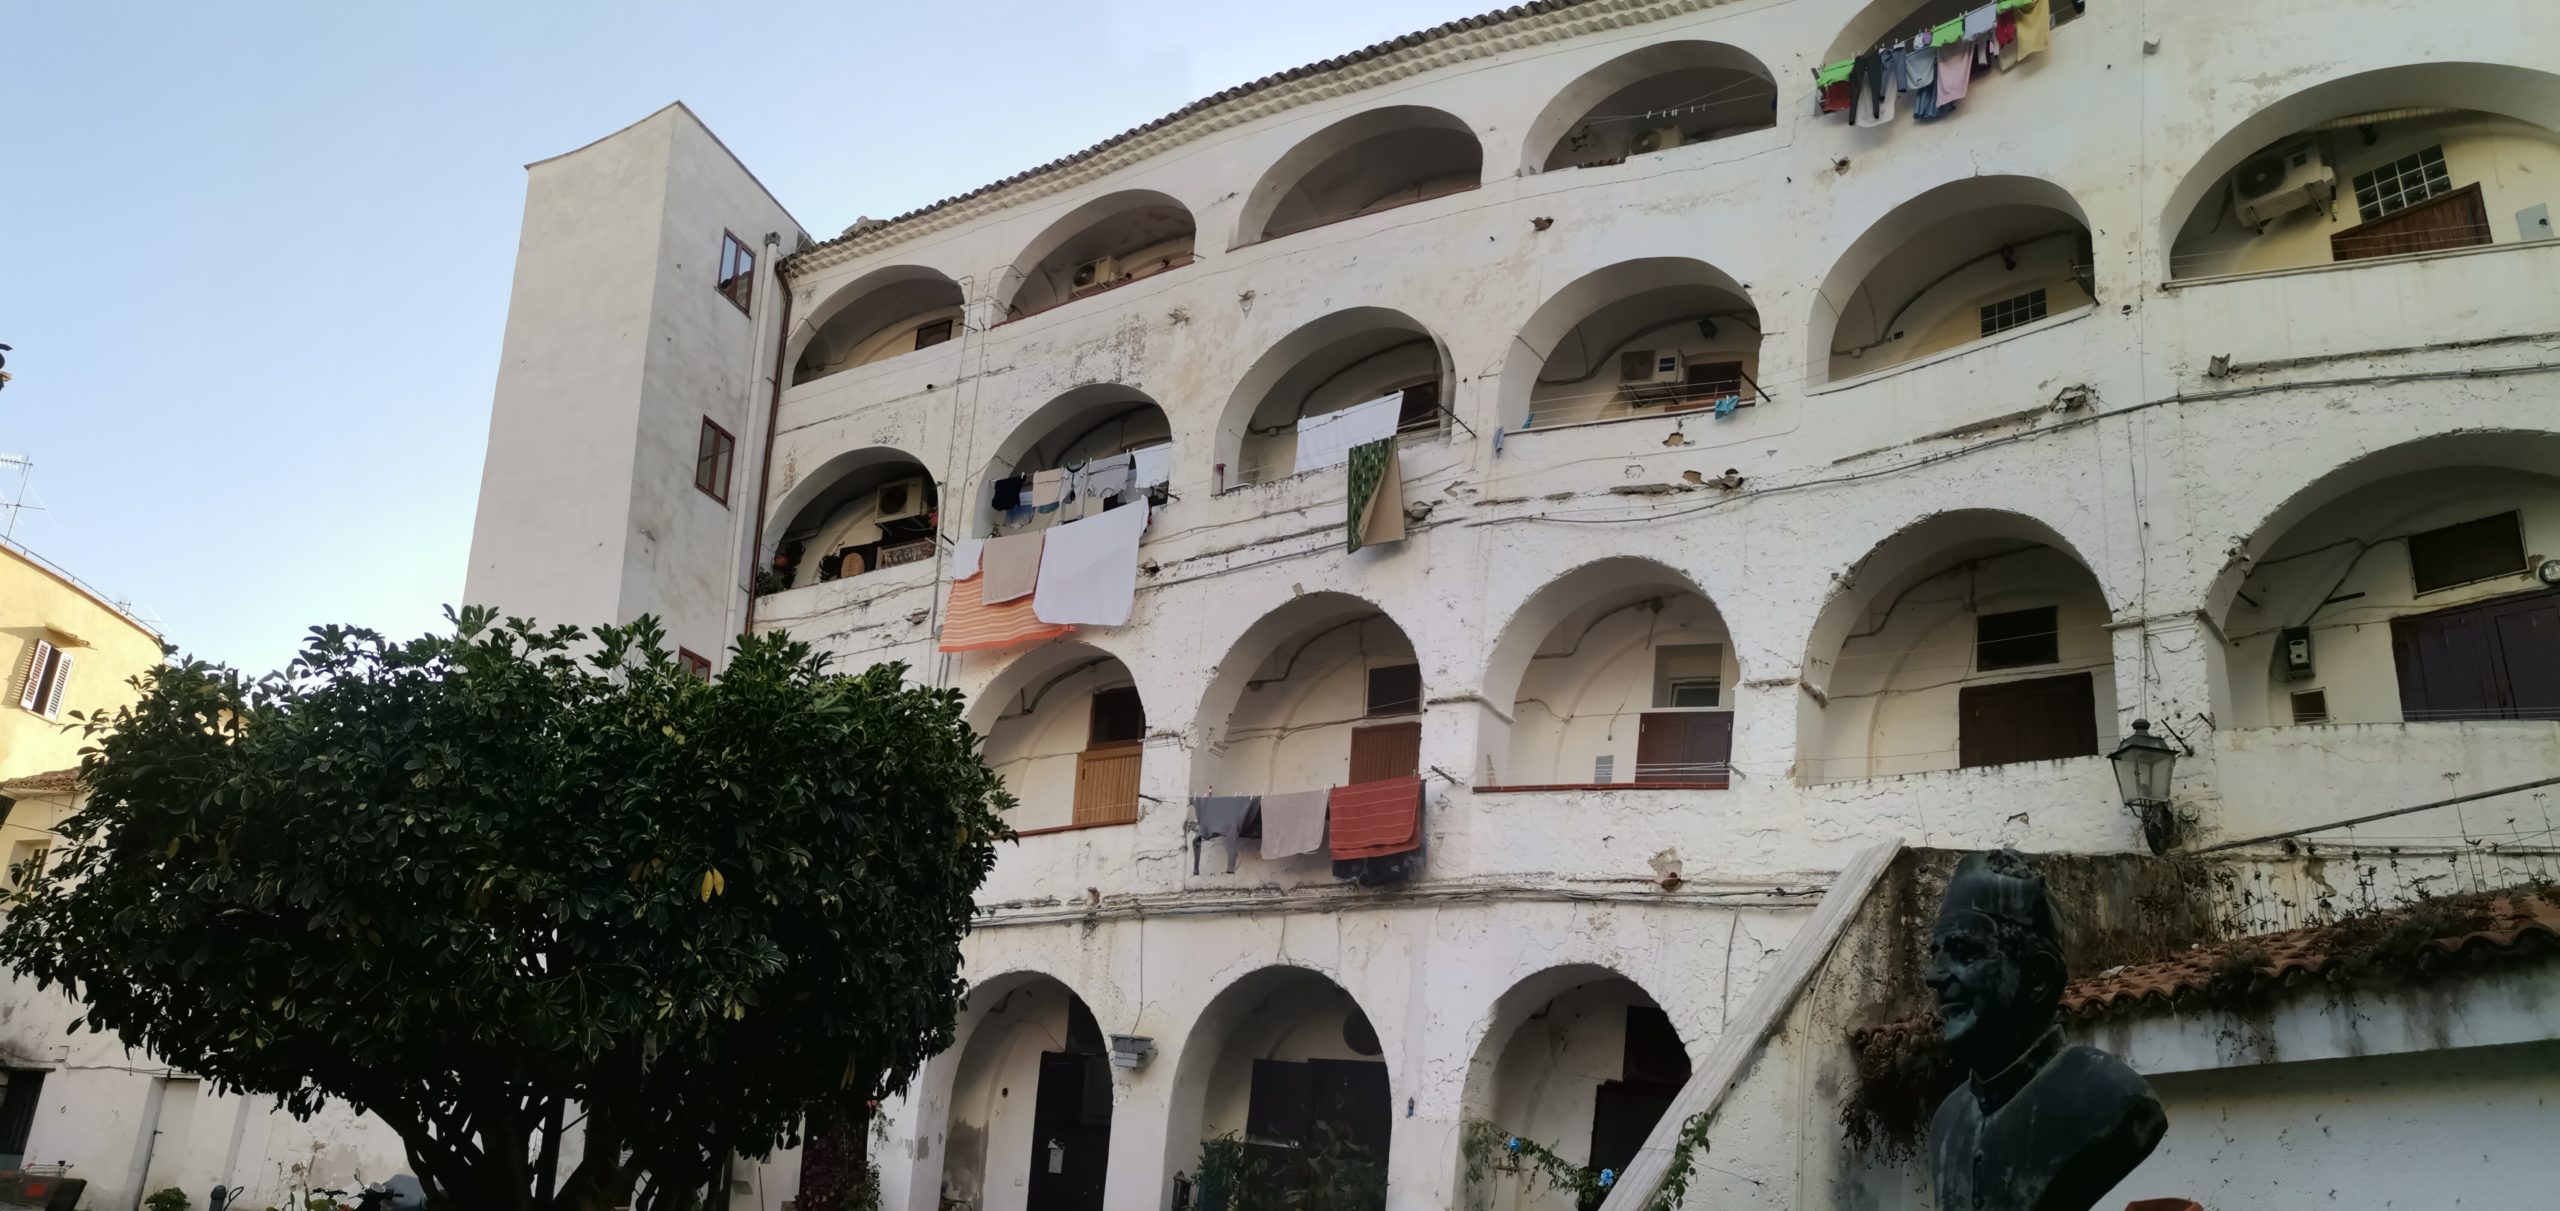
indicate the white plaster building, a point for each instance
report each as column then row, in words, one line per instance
column 2197, row 369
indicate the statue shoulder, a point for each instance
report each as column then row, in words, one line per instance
column 2099, row 1079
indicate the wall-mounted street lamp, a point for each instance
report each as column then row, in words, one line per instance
column 2144, row 763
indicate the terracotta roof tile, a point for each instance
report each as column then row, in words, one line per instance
column 1320, row 67
column 49, row 782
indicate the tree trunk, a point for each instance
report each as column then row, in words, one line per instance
column 835, row 1163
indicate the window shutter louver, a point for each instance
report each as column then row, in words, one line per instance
column 31, row 678
column 61, row 677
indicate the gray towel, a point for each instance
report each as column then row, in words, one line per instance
column 1011, row 564
column 1220, row 816
column 1293, row 823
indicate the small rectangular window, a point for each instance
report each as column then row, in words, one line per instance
column 1706, row 382
column 2010, row 313
column 2402, row 183
column 2016, row 639
column 1118, row 718
column 1395, row 690
column 2467, row 552
column 693, row 664
column 711, row 461
column 2310, row 706
column 42, row 679
column 737, row 271
column 1688, row 675
column 1419, row 409
column 932, row 334
column 26, row 861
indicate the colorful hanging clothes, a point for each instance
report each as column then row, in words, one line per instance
column 1980, row 22
column 1376, row 505
column 1955, row 72
column 1376, row 819
column 1871, row 91
column 1089, row 569
column 1920, row 79
column 2005, row 28
column 1326, row 440
column 1947, row 34
column 1835, row 97
column 1833, row 73
column 2035, row 32
column 1293, row 823
column 1831, row 86
column 971, row 625
column 1221, row 816
column 964, row 557
column 1011, row 563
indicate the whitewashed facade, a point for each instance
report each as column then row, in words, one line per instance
column 2028, row 357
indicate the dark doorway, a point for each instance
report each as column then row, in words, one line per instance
column 1070, row 1133
column 18, row 1114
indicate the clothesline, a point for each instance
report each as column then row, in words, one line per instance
column 1935, row 66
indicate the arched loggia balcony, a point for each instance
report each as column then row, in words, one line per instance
column 1371, row 161
column 1580, row 1060
column 2428, row 157
column 1343, row 359
column 1089, row 422
column 1029, row 1119
column 1110, row 241
column 1972, row 638
column 1323, row 691
column 1652, row 99
column 1066, row 730
column 1962, row 263
column 881, row 315
column 2404, row 587
column 1285, row 1071
column 1639, row 338
column 860, row 512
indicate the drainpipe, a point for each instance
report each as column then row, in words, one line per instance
column 772, row 420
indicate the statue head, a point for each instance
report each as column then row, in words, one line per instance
column 1995, row 960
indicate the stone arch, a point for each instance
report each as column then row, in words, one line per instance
column 1610, row 631
column 1893, row 652
column 1705, row 90
column 1534, row 1068
column 1908, row 285
column 889, row 311
column 1283, row 1014
column 839, row 506
column 1374, row 160
column 1141, row 232
column 1281, row 708
column 1064, row 725
column 976, row 1100
column 1338, row 360
column 2414, row 91
column 1675, row 305
column 1085, row 422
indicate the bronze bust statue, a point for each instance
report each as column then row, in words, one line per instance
column 2038, row 1125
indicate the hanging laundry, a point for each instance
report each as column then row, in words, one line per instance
column 1833, row 73
column 1007, row 493
column 1020, row 515
column 1948, row 34
column 1376, row 819
column 1376, row 504
column 1833, row 98
column 1980, row 22
column 1151, row 467
column 1326, row 441
column 2004, row 29
column 1048, row 490
column 1293, row 823
column 1089, row 569
column 964, row 557
column 1920, row 79
column 969, row 624
column 1955, row 71
column 2035, row 32
column 1379, row 872
column 1725, row 407
column 1220, row 816
column 1104, row 478
column 1871, row 92
column 1012, row 566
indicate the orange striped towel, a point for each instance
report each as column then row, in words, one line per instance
column 973, row 625
column 1376, row 819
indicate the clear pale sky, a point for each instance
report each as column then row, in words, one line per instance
column 254, row 258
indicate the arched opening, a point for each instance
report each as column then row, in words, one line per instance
column 1621, row 673
column 1284, row 1078
column 1110, row 241
column 2406, row 587
column 2426, row 157
column 878, row 316
column 1371, row 161
column 1882, row 19
column 1638, row 338
column 1030, row 1109
column 1321, row 692
column 1652, row 99
column 1097, row 423
column 1972, row 638
column 1066, row 730
column 860, row 512
column 1961, row 263
column 1341, row 361
column 1580, row 1061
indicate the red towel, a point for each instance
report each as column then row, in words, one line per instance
column 1376, row 819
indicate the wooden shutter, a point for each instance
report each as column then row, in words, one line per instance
column 2039, row 719
column 2454, row 220
column 1684, row 747
column 1387, row 750
column 61, row 677
column 2491, row 660
column 1107, row 785
column 31, row 678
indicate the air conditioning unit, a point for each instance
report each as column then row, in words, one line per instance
column 1658, row 139
column 2282, row 179
column 1650, row 377
column 904, row 498
column 1094, row 275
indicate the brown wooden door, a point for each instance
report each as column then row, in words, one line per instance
column 1107, row 784
column 1684, row 746
column 2455, row 220
column 2038, row 719
column 1387, row 750
column 2490, row 660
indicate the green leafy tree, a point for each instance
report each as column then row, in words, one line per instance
column 508, row 888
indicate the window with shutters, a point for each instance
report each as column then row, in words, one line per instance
column 711, row 461
column 2467, row 552
column 933, row 334
column 26, row 860
column 2038, row 719
column 2495, row 659
column 42, row 678
column 1395, row 690
column 737, row 281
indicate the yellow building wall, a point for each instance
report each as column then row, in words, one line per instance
column 107, row 651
